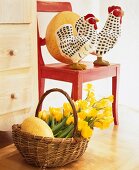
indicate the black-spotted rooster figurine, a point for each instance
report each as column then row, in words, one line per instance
column 107, row 38
column 79, row 46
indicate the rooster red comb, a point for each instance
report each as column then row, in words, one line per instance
column 91, row 19
column 112, row 8
column 89, row 16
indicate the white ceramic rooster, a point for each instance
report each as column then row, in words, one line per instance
column 109, row 35
column 79, row 46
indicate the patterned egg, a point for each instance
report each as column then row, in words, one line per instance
column 66, row 17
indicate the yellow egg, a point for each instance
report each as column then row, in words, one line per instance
column 66, row 17
column 36, row 126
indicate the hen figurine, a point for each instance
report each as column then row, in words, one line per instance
column 109, row 35
column 79, row 46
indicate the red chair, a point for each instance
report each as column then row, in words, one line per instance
column 58, row 71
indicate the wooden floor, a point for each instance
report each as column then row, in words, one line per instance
column 114, row 149
column 118, row 147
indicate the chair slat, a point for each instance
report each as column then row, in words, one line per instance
column 42, row 41
column 53, row 6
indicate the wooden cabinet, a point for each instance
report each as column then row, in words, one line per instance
column 18, row 61
column 15, row 46
column 15, row 96
column 16, row 11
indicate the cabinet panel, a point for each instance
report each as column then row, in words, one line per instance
column 15, row 93
column 15, row 11
column 15, row 47
column 7, row 120
column 20, row 100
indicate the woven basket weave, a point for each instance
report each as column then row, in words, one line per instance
column 49, row 152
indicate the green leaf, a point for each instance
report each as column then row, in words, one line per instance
column 58, row 133
column 57, row 127
column 66, row 131
column 69, row 135
column 52, row 123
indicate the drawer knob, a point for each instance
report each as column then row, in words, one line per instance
column 11, row 53
column 13, row 96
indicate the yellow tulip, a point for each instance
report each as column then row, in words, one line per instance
column 44, row 115
column 67, row 109
column 102, row 103
column 87, row 112
column 56, row 113
column 89, row 87
column 82, row 114
column 92, row 101
column 70, row 120
column 53, row 111
column 66, row 113
column 105, row 124
column 100, row 115
column 86, row 132
column 67, row 106
column 58, row 116
column 98, row 124
column 83, row 104
column 47, row 118
column 93, row 112
column 91, row 95
column 109, row 109
column 81, row 124
column 40, row 114
column 109, row 119
column 110, row 98
column 107, row 112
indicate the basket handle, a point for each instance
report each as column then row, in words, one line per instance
column 70, row 101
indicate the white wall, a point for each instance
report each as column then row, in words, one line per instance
column 125, row 52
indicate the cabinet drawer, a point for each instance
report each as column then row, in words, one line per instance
column 7, row 120
column 15, row 11
column 15, row 48
column 15, row 93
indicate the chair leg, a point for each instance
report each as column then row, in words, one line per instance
column 115, row 90
column 76, row 90
column 41, row 87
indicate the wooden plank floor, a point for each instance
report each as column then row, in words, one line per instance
column 118, row 147
column 114, row 149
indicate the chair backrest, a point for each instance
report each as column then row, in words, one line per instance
column 49, row 7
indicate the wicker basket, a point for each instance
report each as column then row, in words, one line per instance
column 49, row 152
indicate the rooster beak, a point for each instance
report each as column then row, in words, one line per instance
column 122, row 13
column 97, row 20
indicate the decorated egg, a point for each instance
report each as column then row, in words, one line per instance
column 66, row 17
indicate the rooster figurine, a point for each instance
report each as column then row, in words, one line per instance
column 109, row 35
column 79, row 46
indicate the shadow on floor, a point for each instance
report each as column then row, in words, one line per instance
column 5, row 138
